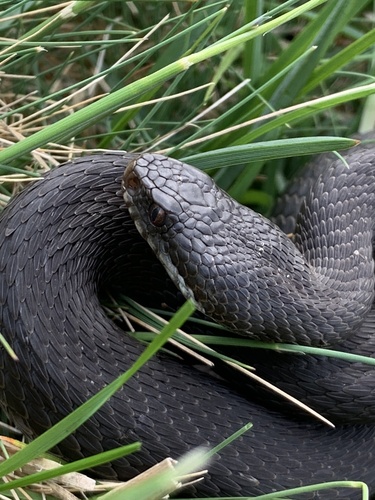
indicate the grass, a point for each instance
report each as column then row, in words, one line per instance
column 244, row 89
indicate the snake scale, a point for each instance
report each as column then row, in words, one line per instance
column 69, row 238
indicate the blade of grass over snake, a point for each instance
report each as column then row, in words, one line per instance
column 85, row 463
column 229, row 440
column 227, row 157
column 192, row 342
column 158, row 486
column 316, row 487
column 66, row 426
column 300, row 349
column 7, row 347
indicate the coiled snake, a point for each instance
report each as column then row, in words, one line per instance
column 70, row 236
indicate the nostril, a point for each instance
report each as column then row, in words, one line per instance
column 131, row 182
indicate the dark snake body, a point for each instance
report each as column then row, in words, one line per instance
column 67, row 238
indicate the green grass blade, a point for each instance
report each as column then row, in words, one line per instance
column 73, row 124
column 332, row 18
column 310, row 108
column 159, row 486
column 83, row 464
column 68, row 424
column 339, row 60
column 51, row 24
column 299, row 349
column 317, row 487
column 262, row 151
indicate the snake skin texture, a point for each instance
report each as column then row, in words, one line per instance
column 68, row 239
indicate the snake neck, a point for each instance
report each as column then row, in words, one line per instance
column 313, row 290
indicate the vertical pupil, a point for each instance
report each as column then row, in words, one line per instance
column 157, row 215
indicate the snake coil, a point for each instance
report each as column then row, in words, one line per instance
column 70, row 237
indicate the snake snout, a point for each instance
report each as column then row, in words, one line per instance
column 131, row 183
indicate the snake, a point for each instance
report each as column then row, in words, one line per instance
column 160, row 231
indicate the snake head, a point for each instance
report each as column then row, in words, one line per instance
column 237, row 267
column 181, row 213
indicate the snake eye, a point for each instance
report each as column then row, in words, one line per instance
column 157, row 215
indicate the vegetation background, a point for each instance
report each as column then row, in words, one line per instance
column 245, row 89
